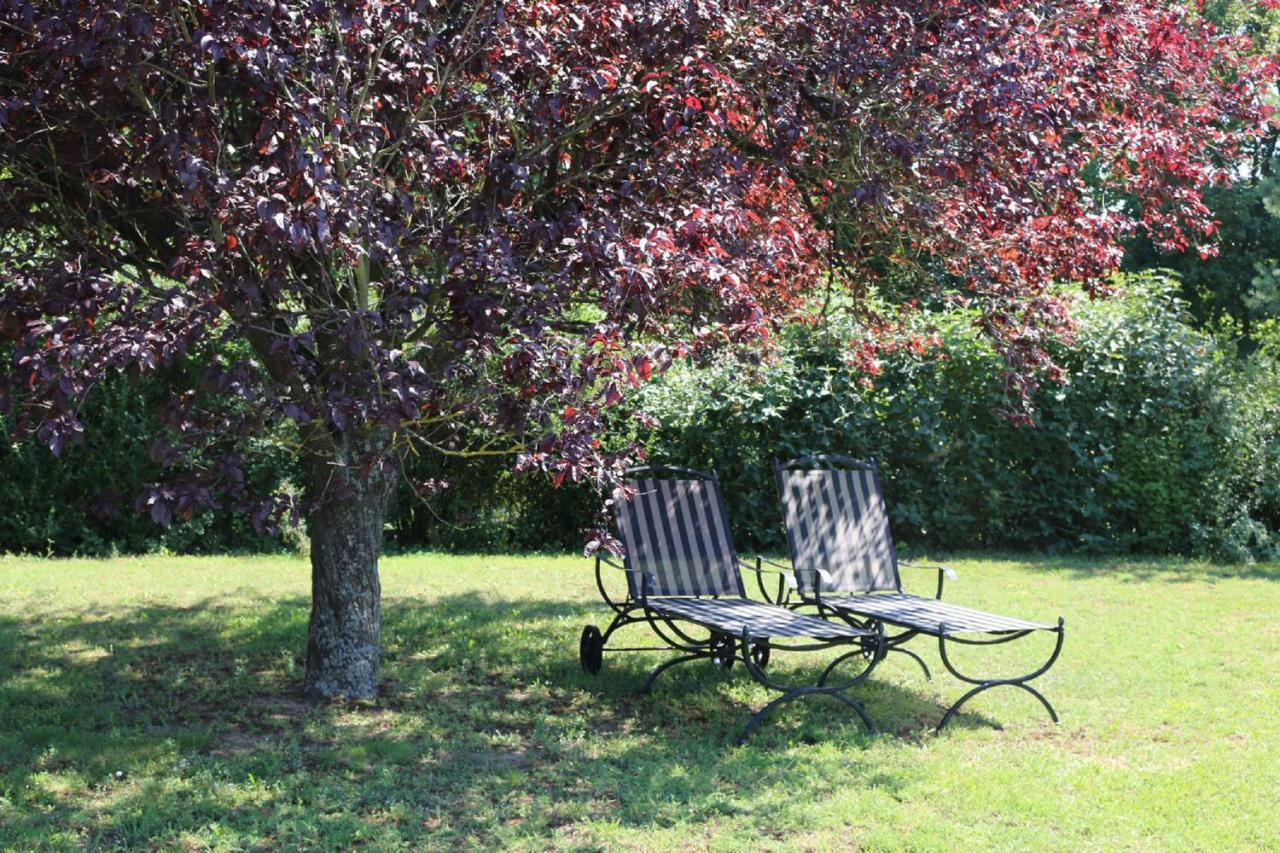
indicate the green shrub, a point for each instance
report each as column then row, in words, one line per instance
column 1160, row 442
column 83, row 502
column 1153, row 445
column 486, row 507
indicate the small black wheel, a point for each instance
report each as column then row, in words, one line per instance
column 722, row 650
column 760, row 653
column 591, row 649
column 869, row 644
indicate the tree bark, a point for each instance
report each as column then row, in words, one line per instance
column 345, row 635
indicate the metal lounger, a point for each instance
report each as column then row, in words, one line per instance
column 684, row 578
column 844, row 561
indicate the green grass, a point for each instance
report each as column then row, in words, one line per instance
column 152, row 702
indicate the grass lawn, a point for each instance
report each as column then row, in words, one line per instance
column 151, row 701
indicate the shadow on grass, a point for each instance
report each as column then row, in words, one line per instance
column 128, row 725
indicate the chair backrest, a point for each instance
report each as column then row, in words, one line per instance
column 677, row 531
column 836, row 521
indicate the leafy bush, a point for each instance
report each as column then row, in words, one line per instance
column 1154, row 445
column 486, row 507
column 83, row 501
column 1160, row 442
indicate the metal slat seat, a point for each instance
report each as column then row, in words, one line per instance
column 734, row 615
column 844, row 560
column 684, row 579
column 843, row 552
column 928, row 614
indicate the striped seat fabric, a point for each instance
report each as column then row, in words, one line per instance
column 731, row 615
column 677, row 532
column 927, row 614
column 836, row 521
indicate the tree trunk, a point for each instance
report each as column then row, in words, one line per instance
column 345, row 635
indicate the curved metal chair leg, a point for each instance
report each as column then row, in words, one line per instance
column 620, row 619
column 857, row 706
column 927, row 674
column 653, row 676
column 796, row 694
column 1053, row 715
column 946, row 718
column 762, row 713
column 892, row 643
column 826, row 673
column 984, row 685
column 955, row 706
column 790, row 692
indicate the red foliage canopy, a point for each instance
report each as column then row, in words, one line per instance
column 408, row 219
column 997, row 148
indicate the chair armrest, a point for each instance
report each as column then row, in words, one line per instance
column 822, row 574
column 776, row 565
column 647, row 579
column 788, row 576
column 946, row 570
column 611, row 564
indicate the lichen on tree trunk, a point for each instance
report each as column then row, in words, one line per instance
column 344, row 637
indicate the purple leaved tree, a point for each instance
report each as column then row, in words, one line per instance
column 387, row 228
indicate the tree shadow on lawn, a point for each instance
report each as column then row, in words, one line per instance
column 138, row 723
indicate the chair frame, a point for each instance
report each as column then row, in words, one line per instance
column 720, row 648
column 849, row 613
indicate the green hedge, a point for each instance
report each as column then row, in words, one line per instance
column 488, row 508
column 1161, row 442
column 83, row 502
column 1157, row 444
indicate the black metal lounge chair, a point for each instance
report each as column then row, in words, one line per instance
column 684, row 578
column 844, row 561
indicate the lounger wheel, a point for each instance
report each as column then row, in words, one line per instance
column 591, row 649
column 760, row 653
column 722, row 650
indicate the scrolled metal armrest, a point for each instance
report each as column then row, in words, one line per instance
column 823, row 575
column 648, row 580
column 946, row 570
column 788, row 576
column 611, row 564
